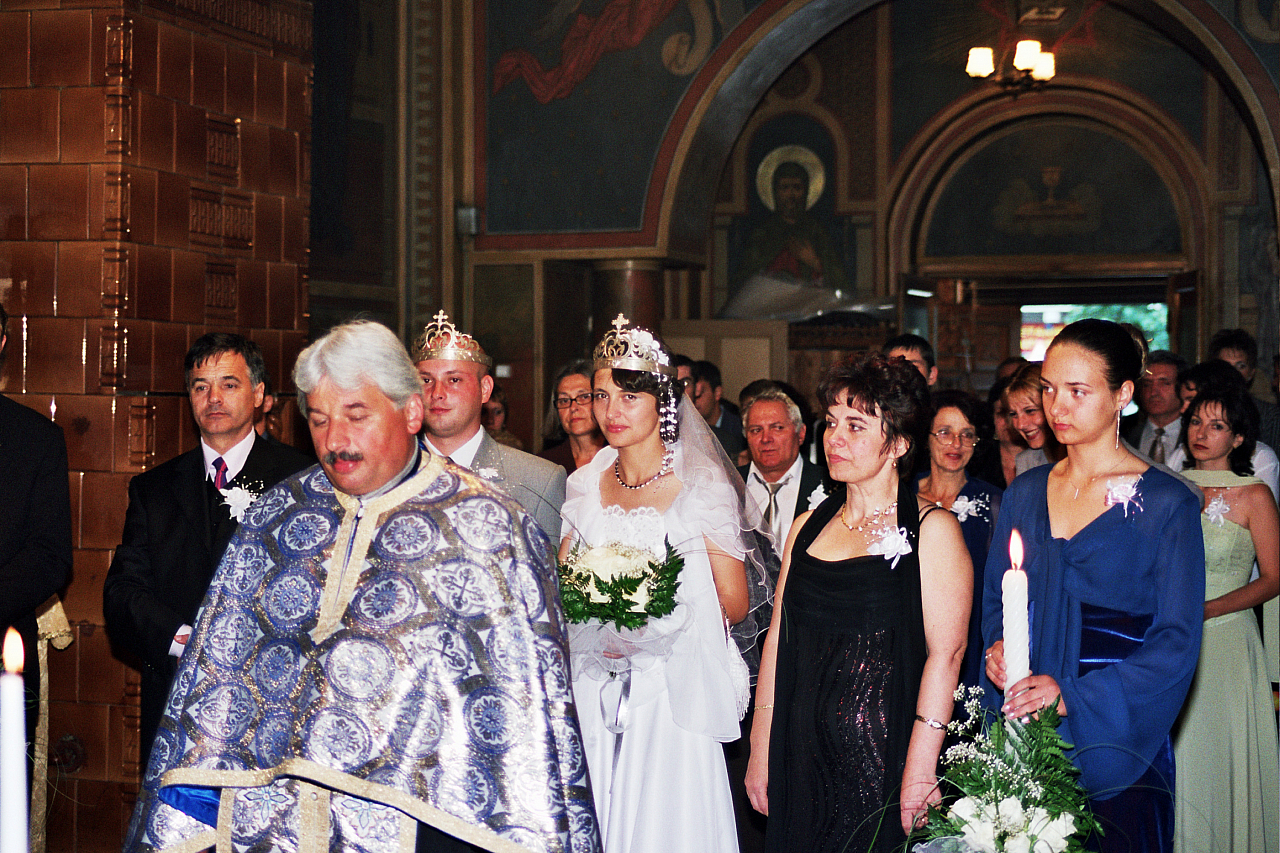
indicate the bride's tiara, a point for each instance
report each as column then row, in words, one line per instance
column 631, row 349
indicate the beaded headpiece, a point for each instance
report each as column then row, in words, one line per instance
column 631, row 349
column 637, row 349
column 440, row 339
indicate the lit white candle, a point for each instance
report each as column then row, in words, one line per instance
column 1017, row 632
column 13, row 750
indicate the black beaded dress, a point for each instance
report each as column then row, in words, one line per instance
column 851, row 653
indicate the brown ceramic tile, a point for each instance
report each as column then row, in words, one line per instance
column 251, row 292
column 31, row 267
column 14, row 29
column 58, row 204
column 297, row 98
column 122, row 743
column 269, row 91
column 209, row 73
column 174, row 428
column 28, row 125
column 173, row 210
column 240, row 86
column 101, row 818
column 169, row 346
column 99, row 193
column 291, row 343
column 188, row 286
column 49, row 343
column 282, row 296
column 75, row 483
column 138, row 346
column 152, row 296
column 255, row 156
column 87, row 423
column 101, row 675
column 105, row 498
column 88, row 725
column 79, row 279
column 269, row 341
column 174, row 64
column 282, row 179
column 294, row 242
column 267, row 224
column 142, row 205
column 191, row 141
column 61, row 817
column 82, row 115
column 154, row 136
column 13, row 202
column 83, row 598
column 60, row 51
column 145, row 54
column 97, row 38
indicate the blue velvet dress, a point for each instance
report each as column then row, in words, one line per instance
column 1116, row 618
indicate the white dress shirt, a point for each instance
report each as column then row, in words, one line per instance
column 234, row 458
column 1169, row 439
column 787, row 496
column 464, row 455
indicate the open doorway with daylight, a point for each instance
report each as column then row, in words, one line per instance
column 1040, row 323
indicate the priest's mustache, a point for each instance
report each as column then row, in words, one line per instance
column 345, row 455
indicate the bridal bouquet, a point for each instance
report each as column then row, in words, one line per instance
column 618, row 584
column 1017, row 790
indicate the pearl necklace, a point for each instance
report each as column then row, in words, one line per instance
column 874, row 519
column 667, row 459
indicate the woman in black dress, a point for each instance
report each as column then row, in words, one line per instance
column 868, row 632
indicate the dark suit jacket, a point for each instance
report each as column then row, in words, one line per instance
column 175, row 531
column 35, row 522
column 810, row 479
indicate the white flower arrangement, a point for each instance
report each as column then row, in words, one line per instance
column 893, row 544
column 1124, row 491
column 977, row 506
column 238, row 499
column 619, row 584
column 1017, row 791
column 817, row 496
column 1217, row 510
column 488, row 473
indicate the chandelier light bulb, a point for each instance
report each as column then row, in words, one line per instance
column 1024, row 57
column 1044, row 67
column 981, row 62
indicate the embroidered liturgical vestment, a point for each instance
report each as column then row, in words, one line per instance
column 359, row 667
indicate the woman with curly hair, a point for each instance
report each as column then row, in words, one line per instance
column 868, row 632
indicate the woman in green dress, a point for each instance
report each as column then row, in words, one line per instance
column 1228, row 794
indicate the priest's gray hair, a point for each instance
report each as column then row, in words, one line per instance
column 357, row 353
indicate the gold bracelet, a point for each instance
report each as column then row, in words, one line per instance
column 933, row 724
column 764, row 707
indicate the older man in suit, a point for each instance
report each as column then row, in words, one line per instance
column 182, row 514
column 455, row 375
column 782, row 483
column 35, row 523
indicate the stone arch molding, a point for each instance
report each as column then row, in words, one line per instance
column 721, row 113
column 942, row 148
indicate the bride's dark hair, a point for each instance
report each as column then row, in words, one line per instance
column 662, row 388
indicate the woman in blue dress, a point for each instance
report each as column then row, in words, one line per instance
column 958, row 427
column 1115, row 564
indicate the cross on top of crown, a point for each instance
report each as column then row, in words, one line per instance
column 620, row 322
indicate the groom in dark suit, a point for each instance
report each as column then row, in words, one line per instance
column 182, row 514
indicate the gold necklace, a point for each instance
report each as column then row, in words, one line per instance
column 874, row 518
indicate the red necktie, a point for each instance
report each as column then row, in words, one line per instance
column 219, row 474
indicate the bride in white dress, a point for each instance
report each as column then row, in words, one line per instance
column 653, row 717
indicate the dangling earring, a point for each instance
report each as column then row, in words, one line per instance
column 1117, row 430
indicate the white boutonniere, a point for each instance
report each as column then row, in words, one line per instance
column 892, row 544
column 817, row 496
column 1217, row 510
column 488, row 473
column 1124, row 492
column 965, row 506
column 238, row 499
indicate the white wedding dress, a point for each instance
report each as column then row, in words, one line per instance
column 660, row 782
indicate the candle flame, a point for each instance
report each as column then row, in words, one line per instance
column 12, row 651
column 1015, row 550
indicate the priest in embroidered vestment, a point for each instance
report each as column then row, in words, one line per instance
column 381, row 654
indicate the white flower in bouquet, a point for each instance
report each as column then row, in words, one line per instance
column 619, row 584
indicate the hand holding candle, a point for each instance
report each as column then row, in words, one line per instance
column 13, row 750
column 1017, row 636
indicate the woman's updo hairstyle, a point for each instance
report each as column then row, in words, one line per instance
column 892, row 389
column 1122, row 352
column 641, row 364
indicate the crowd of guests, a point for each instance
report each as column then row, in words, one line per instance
column 371, row 651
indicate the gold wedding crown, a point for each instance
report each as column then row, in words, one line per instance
column 440, row 339
column 631, row 349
